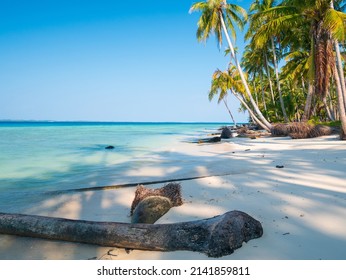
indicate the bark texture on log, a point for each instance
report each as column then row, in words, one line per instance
column 216, row 237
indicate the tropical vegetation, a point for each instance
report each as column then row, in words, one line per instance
column 292, row 68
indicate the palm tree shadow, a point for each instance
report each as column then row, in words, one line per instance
column 288, row 206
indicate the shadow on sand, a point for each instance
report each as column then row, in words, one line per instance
column 297, row 214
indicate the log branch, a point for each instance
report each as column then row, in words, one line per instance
column 216, row 237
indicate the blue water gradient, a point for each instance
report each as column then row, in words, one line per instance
column 39, row 157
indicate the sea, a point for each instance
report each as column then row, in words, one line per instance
column 38, row 158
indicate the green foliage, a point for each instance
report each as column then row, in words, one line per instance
column 315, row 121
column 303, row 31
column 210, row 21
column 303, row 34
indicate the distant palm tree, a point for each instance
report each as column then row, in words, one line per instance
column 217, row 17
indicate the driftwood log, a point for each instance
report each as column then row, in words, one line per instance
column 216, row 237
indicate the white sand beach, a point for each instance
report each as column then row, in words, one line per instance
column 302, row 206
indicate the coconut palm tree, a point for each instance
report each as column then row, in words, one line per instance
column 252, row 63
column 327, row 26
column 218, row 89
column 218, row 17
column 225, row 81
column 335, row 22
column 299, row 67
column 257, row 7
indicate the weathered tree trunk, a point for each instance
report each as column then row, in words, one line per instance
column 339, row 64
column 263, row 97
column 308, row 103
column 252, row 114
column 264, row 121
column 270, row 82
column 342, row 109
column 326, row 106
column 255, row 91
column 216, row 237
column 229, row 111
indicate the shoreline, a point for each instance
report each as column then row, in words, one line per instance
column 301, row 206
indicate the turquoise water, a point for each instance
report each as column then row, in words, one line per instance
column 38, row 157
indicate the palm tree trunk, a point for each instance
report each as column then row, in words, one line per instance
column 247, row 90
column 339, row 64
column 229, row 111
column 278, row 81
column 307, row 109
column 341, row 102
column 253, row 116
column 255, row 91
column 340, row 85
column 270, row 81
column 340, row 70
column 330, row 102
column 303, row 84
column 270, row 85
column 263, row 97
column 329, row 113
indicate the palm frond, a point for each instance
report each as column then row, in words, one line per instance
column 335, row 22
column 198, row 7
column 273, row 27
column 239, row 14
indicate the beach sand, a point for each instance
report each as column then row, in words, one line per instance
column 302, row 206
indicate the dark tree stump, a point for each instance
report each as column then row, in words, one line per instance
column 216, row 237
column 172, row 191
column 150, row 209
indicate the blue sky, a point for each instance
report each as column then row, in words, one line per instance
column 107, row 60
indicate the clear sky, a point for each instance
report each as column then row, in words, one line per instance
column 107, row 60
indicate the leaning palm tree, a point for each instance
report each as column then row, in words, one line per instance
column 229, row 81
column 219, row 87
column 218, row 17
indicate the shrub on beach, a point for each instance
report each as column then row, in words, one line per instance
column 296, row 129
column 280, row 129
column 320, row 130
column 298, row 135
column 301, row 130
